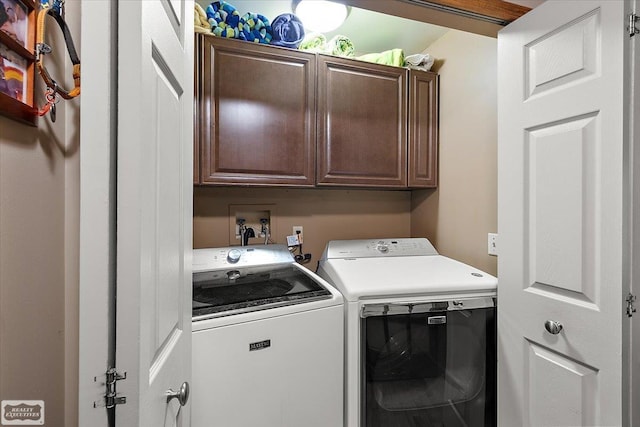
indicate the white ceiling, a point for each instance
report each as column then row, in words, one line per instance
column 369, row 31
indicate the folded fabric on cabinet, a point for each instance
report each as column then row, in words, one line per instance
column 224, row 19
column 287, row 30
column 255, row 28
column 200, row 22
column 393, row 57
column 420, row 61
column 340, row 46
column 314, row 42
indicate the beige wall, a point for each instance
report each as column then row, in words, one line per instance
column 459, row 214
column 38, row 252
column 324, row 214
column 456, row 217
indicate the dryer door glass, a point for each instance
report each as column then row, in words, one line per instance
column 434, row 368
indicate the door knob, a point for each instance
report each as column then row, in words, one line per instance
column 553, row 327
column 182, row 395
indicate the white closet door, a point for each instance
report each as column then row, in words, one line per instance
column 561, row 215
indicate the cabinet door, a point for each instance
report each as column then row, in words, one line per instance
column 257, row 114
column 423, row 129
column 362, row 124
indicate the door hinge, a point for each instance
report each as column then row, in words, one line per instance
column 631, row 27
column 111, row 398
column 631, row 304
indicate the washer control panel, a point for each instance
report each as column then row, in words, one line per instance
column 378, row 248
column 239, row 257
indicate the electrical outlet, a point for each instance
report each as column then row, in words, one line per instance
column 297, row 229
column 492, row 244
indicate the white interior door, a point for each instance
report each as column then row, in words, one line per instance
column 154, row 209
column 634, row 332
column 97, row 208
column 561, row 215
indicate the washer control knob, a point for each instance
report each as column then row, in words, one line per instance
column 234, row 256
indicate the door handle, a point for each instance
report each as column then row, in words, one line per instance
column 553, row 327
column 182, row 395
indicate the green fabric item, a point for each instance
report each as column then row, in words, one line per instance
column 393, row 57
column 314, row 43
column 340, row 46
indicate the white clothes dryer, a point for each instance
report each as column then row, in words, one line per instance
column 420, row 337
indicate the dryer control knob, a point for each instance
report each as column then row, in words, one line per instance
column 234, row 256
column 383, row 248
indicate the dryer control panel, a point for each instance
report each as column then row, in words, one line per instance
column 378, row 248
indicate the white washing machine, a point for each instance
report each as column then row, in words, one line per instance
column 268, row 341
column 420, row 334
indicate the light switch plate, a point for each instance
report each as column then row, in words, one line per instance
column 492, row 244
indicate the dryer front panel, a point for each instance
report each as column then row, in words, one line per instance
column 428, row 364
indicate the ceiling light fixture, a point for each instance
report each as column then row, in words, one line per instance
column 319, row 15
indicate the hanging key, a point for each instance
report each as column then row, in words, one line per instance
column 50, row 97
column 53, row 100
column 52, row 112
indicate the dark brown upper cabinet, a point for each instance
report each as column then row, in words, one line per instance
column 362, row 125
column 259, row 121
column 423, row 129
column 256, row 113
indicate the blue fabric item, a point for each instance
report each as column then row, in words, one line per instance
column 255, row 28
column 288, row 31
column 56, row 5
column 224, row 19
